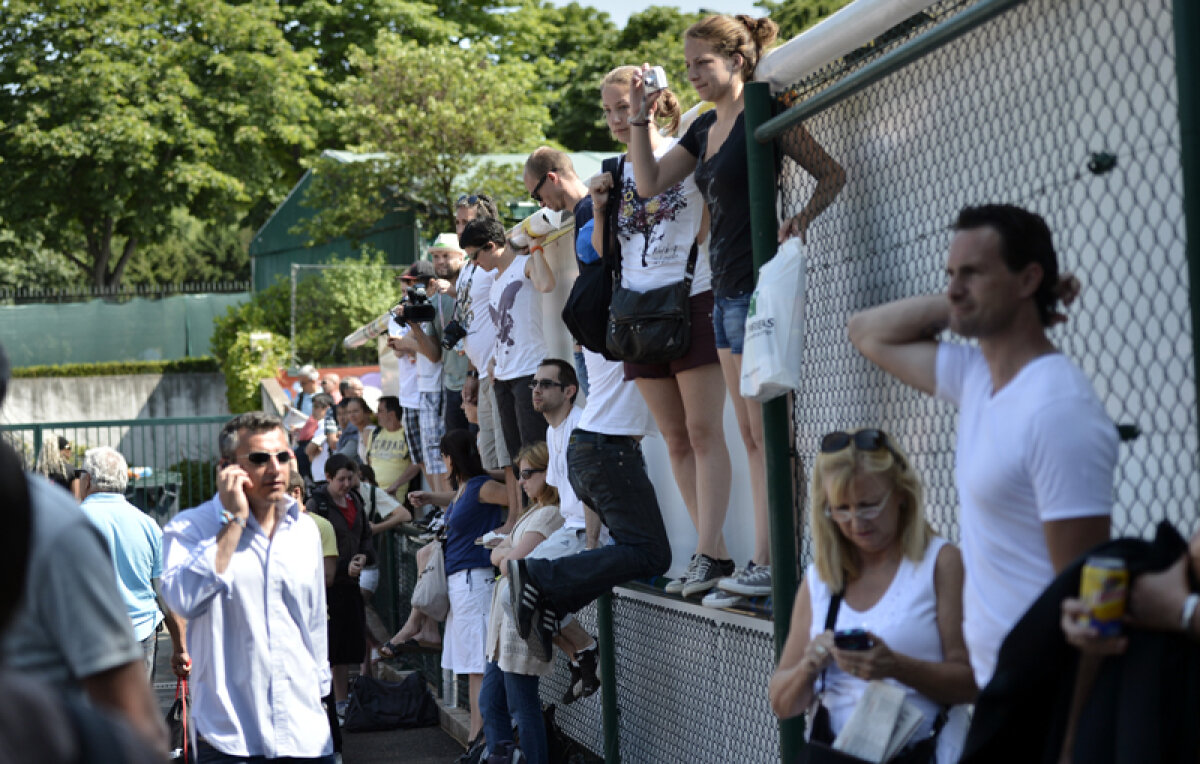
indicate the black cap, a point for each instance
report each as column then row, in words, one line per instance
column 421, row 270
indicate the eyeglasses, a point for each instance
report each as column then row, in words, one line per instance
column 544, row 383
column 863, row 440
column 262, row 457
column 862, row 512
column 526, row 474
column 536, row 192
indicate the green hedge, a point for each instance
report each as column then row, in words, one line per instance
column 181, row 366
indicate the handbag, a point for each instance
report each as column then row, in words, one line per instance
column 586, row 310
column 431, row 595
column 654, row 326
column 179, row 724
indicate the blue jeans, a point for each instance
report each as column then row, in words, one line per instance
column 504, row 697
column 729, row 321
column 609, row 475
column 206, row 754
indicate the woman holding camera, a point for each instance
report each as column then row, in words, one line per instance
column 882, row 599
column 657, row 236
column 722, row 53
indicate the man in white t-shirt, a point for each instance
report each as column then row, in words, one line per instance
column 516, row 308
column 473, row 290
column 555, row 386
column 430, row 424
column 1036, row 451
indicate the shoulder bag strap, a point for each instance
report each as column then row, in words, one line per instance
column 612, row 244
column 835, row 602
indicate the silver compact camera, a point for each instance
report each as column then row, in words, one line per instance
column 654, row 80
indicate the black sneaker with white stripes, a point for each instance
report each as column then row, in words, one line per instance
column 525, row 597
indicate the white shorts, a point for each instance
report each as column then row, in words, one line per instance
column 465, row 639
column 562, row 543
column 369, row 578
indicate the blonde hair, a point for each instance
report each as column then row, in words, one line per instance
column 741, row 34
column 667, row 112
column 836, row 558
column 538, row 456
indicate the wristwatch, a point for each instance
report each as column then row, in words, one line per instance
column 228, row 517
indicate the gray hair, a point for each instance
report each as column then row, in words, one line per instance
column 252, row 422
column 108, row 469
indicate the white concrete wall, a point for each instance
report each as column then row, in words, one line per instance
column 130, row 396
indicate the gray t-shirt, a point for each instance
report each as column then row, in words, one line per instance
column 454, row 361
column 72, row 622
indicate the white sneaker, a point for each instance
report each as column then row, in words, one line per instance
column 718, row 598
column 754, row 581
column 675, row 586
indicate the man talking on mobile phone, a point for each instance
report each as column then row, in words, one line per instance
column 245, row 569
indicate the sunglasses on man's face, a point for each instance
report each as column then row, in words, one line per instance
column 536, row 193
column 526, row 474
column 260, row 458
column 863, row 440
column 544, row 383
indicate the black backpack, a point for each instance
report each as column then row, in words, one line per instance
column 586, row 310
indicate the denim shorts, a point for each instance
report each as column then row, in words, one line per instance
column 729, row 321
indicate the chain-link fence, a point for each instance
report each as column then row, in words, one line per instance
column 1065, row 107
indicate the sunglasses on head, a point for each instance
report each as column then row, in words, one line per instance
column 468, row 201
column 526, row 474
column 863, row 440
column 262, row 457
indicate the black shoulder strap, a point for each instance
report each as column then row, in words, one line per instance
column 612, row 244
column 835, row 602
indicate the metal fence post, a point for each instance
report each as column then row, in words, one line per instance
column 1187, row 78
column 776, row 428
column 608, row 680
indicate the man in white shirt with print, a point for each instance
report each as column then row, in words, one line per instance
column 246, row 571
column 1036, row 451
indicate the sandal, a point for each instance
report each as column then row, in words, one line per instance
column 392, row 649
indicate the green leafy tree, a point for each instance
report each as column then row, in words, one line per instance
column 329, row 305
column 117, row 113
column 419, row 113
column 194, row 251
column 794, row 16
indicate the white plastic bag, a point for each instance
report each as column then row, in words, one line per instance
column 774, row 345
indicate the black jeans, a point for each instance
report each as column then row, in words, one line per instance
column 522, row 425
column 609, row 475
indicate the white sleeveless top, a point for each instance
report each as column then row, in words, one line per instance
column 517, row 308
column 905, row 617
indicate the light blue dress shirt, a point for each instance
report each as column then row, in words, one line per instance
column 256, row 633
column 135, row 543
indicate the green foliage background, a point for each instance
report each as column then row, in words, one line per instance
column 145, row 140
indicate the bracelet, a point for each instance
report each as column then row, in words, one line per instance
column 228, row 517
column 473, row 373
column 1189, row 609
column 642, row 123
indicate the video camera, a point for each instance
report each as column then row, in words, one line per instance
column 415, row 306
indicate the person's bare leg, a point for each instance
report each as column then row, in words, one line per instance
column 573, row 639
column 474, row 681
column 749, row 419
column 341, row 681
column 666, row 406
column 702, row 392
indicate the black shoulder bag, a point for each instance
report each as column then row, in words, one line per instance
column 653, row 326
column 586, row 310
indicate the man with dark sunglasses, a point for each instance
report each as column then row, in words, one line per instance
column 1036, row 452
column 239, row 567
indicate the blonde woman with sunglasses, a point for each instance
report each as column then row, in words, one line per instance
column 895, row 592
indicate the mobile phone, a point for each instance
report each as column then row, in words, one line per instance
column 853, row 639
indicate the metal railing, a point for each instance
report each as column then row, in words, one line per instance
column 173, row 461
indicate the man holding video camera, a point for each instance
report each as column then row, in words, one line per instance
column 425, row 322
